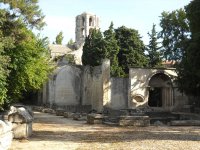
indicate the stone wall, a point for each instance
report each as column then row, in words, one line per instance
column 92, row 86
column 119, row 93
column 140, row 85
column 63, row 87
column 77, row 85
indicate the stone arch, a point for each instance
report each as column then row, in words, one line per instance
column 90, row 21
column 160, row 90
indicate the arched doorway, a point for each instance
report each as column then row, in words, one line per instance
column 160, row 91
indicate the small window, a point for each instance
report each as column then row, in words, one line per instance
column 90, row 21
column 83, row 32
column 83, row 21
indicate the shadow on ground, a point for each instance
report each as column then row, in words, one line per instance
column 114, row 136
column 106, row 134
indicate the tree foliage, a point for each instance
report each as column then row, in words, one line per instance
column 59, row 38
column 112, row 50
column 122, row 46
column 189, row 68
column 153, row 49
column 175, row 31
column 70, row 42
column 24, row 63
column 4, row 60
column 131, row 53
column 26, row 10
column 94, row 49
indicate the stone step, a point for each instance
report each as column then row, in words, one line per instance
column 185, row 123
column 110, row 123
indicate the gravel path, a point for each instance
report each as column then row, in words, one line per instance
column 52, row 132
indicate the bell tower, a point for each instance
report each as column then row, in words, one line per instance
column 84, row 23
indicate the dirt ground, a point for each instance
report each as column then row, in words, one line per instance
column 52, row 132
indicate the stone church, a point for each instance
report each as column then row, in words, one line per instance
column 79, row 88
column 84, row 23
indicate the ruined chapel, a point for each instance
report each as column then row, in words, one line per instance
column 82, row 88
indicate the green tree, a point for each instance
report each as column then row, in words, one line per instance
column 112, row 50
column 71, row 42
column 59, row 38
column 189, row 68
column 175, row 31
column 27, row 10
column 29, row 66
column 94, row 49
column 4, row 60
column 153, row 49
column 131, row 53
column 24, row 57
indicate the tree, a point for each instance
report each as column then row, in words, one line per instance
column 112, row 50
column 175, row 31
column 27, row 10
column 24, row 63
column 153, row 49
column 94, row 49
column 189, row 68
column 29, row 66
column 131, row 53
column 59, row 38
column 4, row 60
column 71, row 42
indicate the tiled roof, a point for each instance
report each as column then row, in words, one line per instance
column 59, row 49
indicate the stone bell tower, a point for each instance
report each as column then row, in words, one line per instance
column 84, row 23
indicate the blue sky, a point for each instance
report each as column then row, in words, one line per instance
column 136, row 14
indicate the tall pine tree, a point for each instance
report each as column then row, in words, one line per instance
column 94, row 49
column 112, row 49
column 131, row 53
column 153, row 49
column 59, row 38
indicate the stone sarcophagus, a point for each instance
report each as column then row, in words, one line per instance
column 21, row 120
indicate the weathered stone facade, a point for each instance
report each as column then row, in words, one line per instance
column 73, row 86
column 77, row 85
column 84, row 23
column 87, row 86
column 154, row 88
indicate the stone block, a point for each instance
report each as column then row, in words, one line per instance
column 48, row 110
column 185, row 123
column 21, row 121
column 37, row 108
column 6, row 135
column 60, row 112
column 68, row 114
column 94, row 118
column 140, row 121
column 19, row 115
column 22, row 130
column 76, row 116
